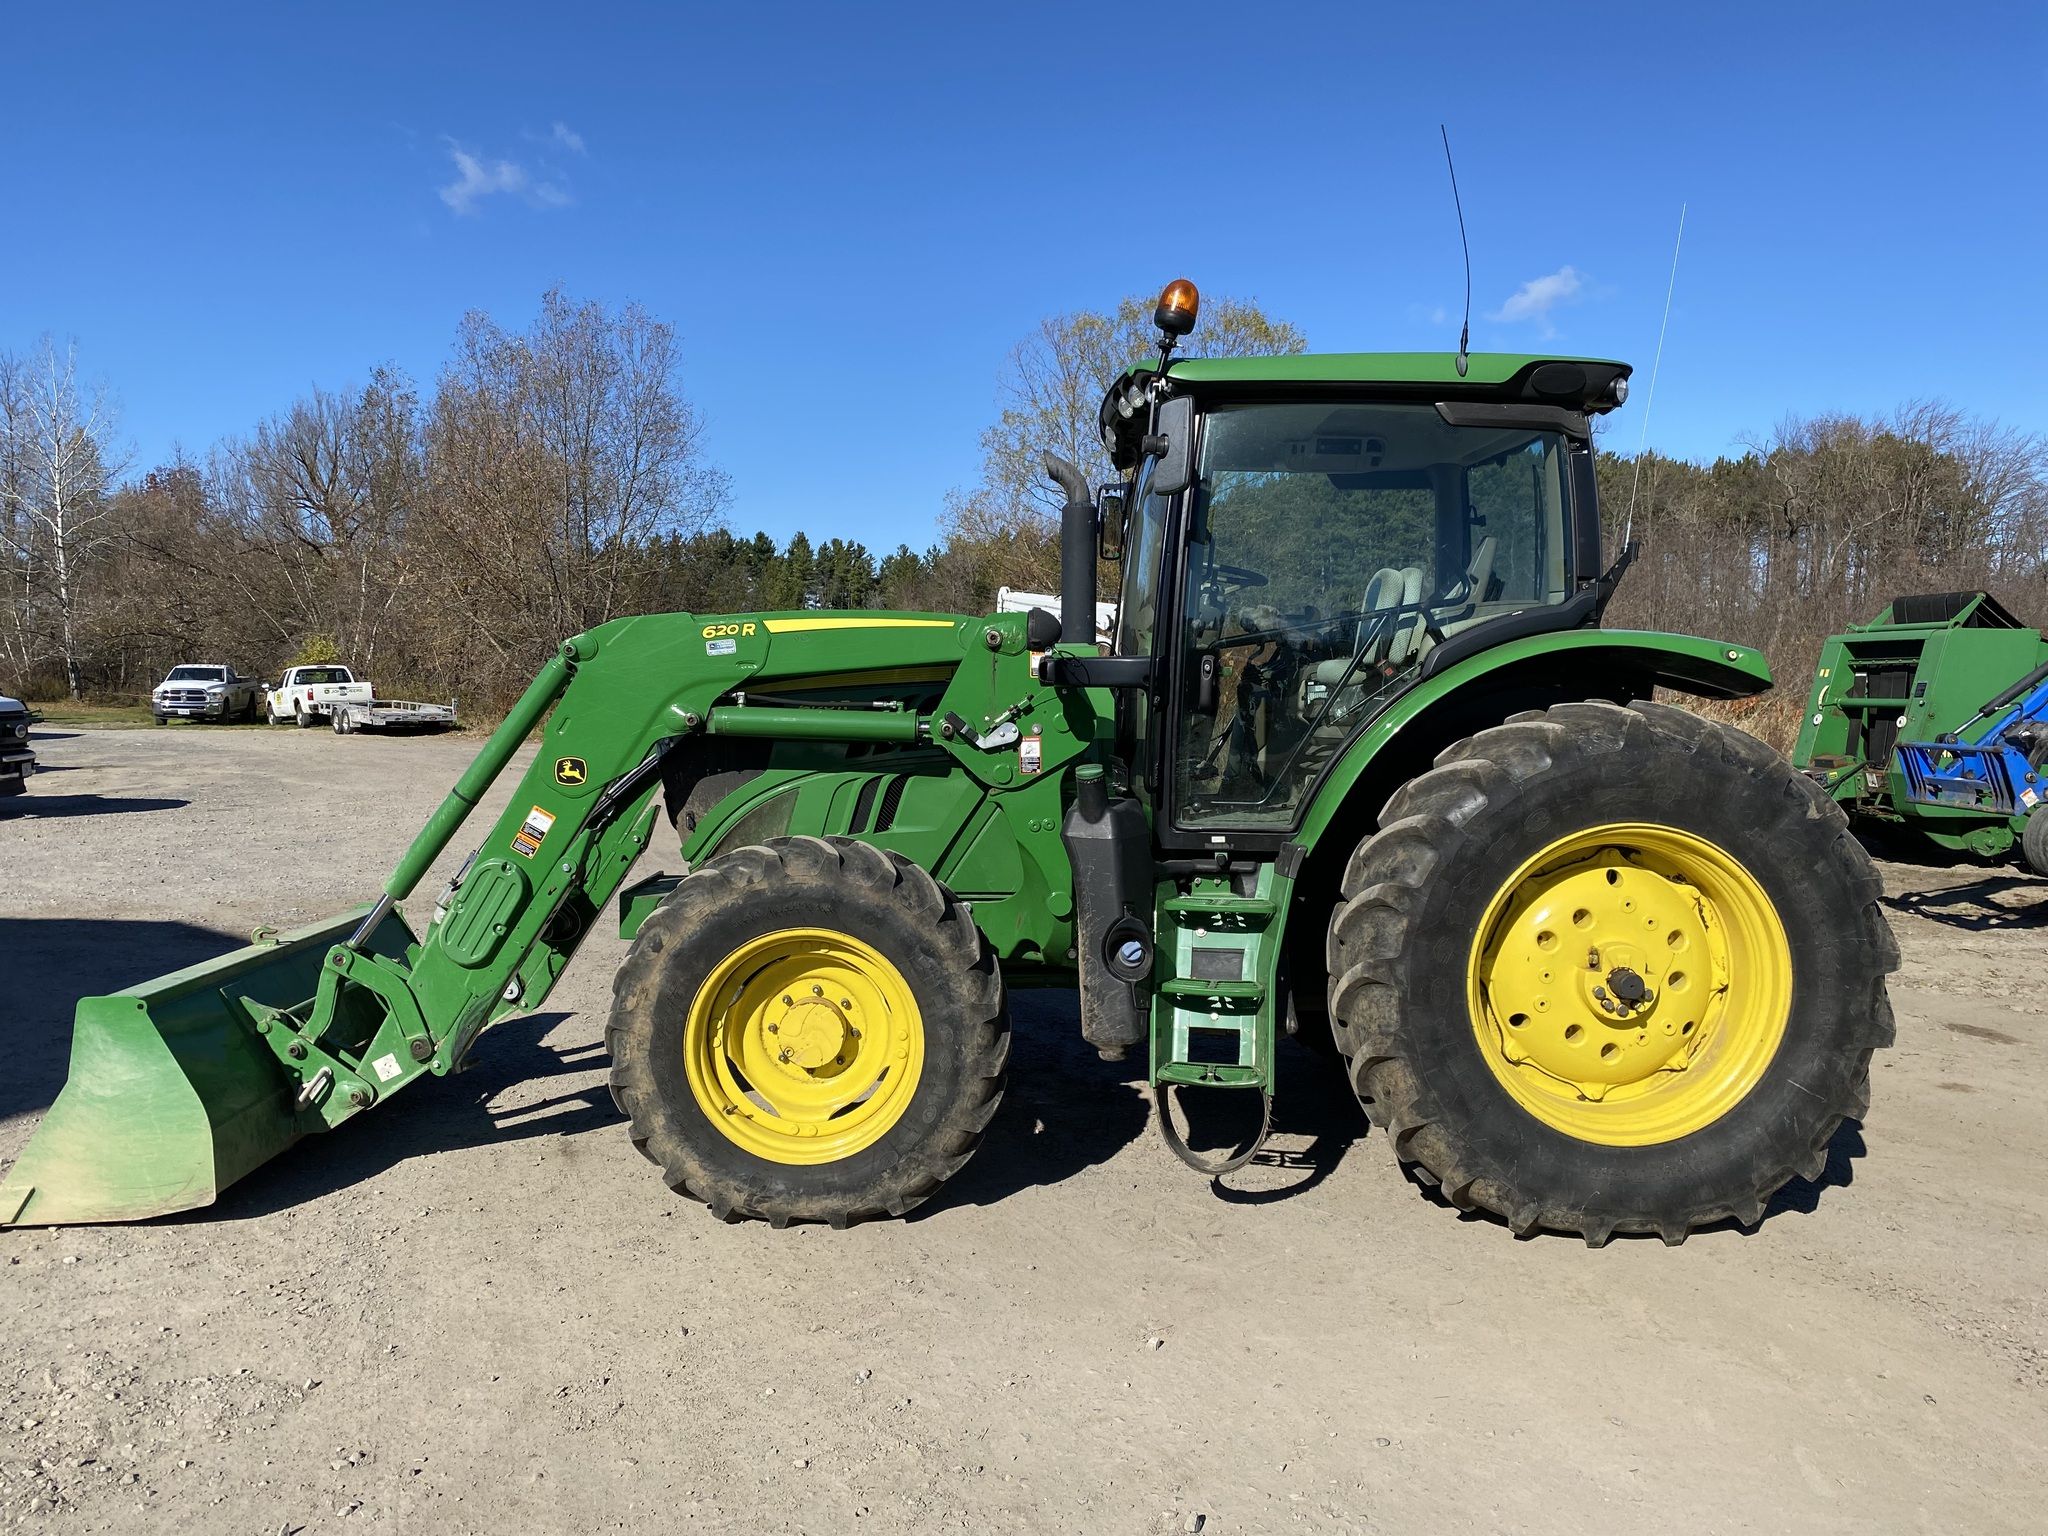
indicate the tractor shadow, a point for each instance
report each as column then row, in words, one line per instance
column 1977, row 906
column 33, row 806
column 1312, row 1103
column 1065, row 1111
column 441, row 1115
column 48, row 964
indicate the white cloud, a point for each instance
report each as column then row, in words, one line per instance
column 1535, row 299
column 568, row 138
column 478, row 177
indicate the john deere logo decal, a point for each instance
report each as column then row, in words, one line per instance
column 570, row 770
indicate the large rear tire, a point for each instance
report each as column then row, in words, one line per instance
column 808, row 1030
column 1611, row 970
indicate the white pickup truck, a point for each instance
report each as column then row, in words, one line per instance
column 307, row 695
column 204, row 690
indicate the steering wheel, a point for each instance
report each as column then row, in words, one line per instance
column 1230, row 579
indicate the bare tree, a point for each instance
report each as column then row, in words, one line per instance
column 17, row 649
column 323, row 494
column 555, row 456
column 1048, row 395
column 59, row 468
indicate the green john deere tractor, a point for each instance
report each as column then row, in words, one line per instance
column 1359, row 764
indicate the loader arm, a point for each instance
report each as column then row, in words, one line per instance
column 236, row 1061
column 628, row 700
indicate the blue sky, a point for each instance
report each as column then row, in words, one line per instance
column 852, row 212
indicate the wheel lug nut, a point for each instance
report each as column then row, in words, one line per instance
column 817, row 991
column 788, row 1001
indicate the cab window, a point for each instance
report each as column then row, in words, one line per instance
column 1330, row 549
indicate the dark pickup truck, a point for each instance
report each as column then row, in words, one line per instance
column 16, row 761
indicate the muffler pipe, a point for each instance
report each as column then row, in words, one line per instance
column 1077, row 553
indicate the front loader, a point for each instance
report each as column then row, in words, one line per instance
column 1360, row 765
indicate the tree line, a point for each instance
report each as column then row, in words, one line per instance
column 444, row 539
column 1820, row 525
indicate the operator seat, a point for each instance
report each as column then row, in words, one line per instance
column 1470, row 593
column 1387, row 590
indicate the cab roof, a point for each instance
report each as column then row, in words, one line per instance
column 1584, row 384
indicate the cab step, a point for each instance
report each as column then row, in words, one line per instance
column 1192, row 908
column 1233, row 995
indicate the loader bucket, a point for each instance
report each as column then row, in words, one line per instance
column 173, row 1095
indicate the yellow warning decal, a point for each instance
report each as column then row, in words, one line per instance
column 804, row 626
column 527, row 840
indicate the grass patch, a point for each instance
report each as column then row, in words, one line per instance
column 103, row 717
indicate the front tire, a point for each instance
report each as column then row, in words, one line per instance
column 1611, row 970
column 808, row 1030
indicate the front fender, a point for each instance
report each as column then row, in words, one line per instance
column 1483, row 689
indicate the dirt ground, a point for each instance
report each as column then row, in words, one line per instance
column 477, row 1309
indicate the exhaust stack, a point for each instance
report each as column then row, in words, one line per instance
column 1077, row 553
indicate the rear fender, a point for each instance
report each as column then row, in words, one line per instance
column 1478, row 692
column 1485, row 689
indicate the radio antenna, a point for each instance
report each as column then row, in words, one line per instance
column 1650, row 401
column 1465, row 330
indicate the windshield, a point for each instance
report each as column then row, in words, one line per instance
column 197, row 675
column 1332, row 548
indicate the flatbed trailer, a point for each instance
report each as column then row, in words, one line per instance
column 391, row 715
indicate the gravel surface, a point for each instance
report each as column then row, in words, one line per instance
column 477, row 1309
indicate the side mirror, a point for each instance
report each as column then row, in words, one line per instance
column 1110, row 502
column 1174, row 443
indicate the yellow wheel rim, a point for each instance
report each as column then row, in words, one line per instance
column 1630, row 984
column 804, row 1046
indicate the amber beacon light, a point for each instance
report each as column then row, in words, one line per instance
column 1177, row 307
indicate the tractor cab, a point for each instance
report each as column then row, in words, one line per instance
column 1303, row 539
